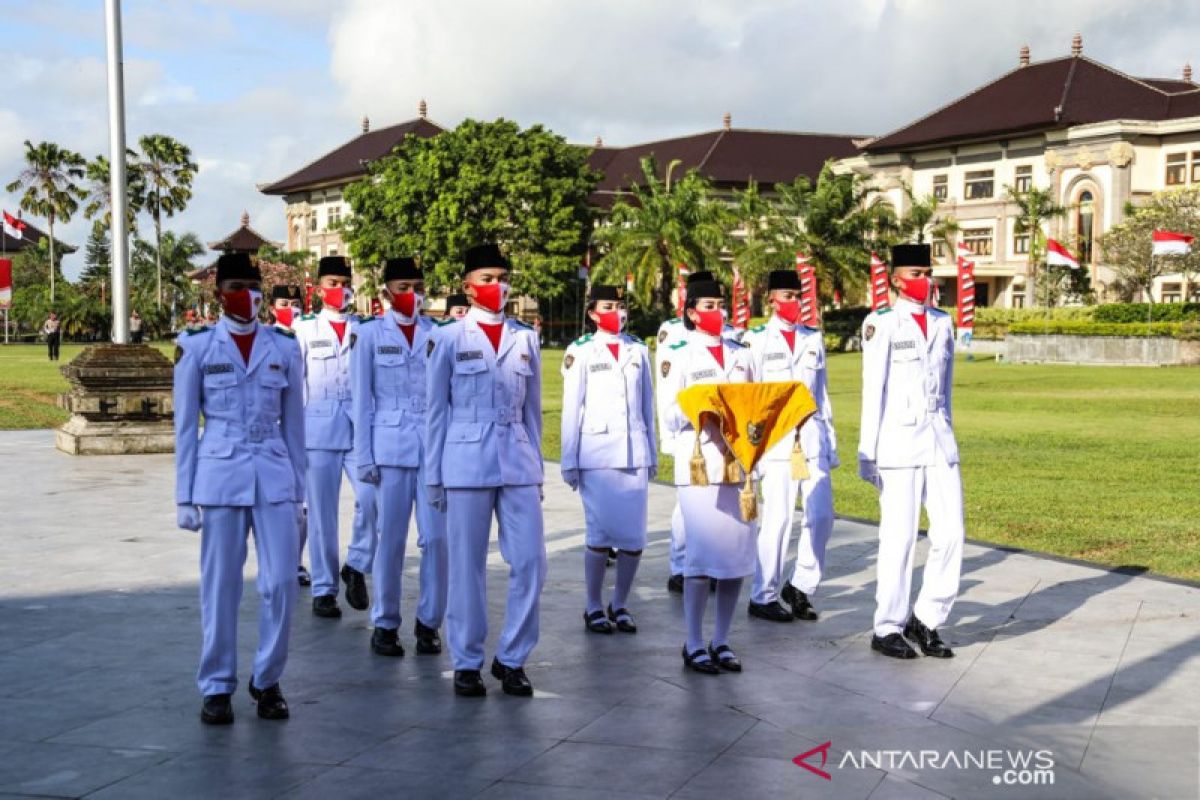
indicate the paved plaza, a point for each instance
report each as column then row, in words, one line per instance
column 1096, row 670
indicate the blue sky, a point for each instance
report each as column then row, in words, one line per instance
column 258, row 88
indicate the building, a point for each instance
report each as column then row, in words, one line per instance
column 242, row 239
column 1096, row 137
column 31, row 237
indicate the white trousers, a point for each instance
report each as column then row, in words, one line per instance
column 322, row 490
column 939, row 489
column 402, row 491
column 776, row 517
column 518, row 510
column 677, row 540
column 222, row 559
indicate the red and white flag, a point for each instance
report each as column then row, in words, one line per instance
column 13, row 226
column 681, row 286
column 741, row 301
column 5, row 283
column 585, row 269
column 1169, row 243
column 1059, row 256
column 879, row 284
column 628, row 283
column 810, row 305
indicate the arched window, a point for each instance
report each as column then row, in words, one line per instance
column 1084, row 219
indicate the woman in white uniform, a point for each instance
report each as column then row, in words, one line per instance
column 718, row 544
column 608, row 451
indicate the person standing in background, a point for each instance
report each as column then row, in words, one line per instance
column 50, row 329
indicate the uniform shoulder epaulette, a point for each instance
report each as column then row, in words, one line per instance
column 884, row 310
column 365, row 320
column 441, row 323
column 587, row 337
column 677, row 345
column 282, row 332
column 810, row 329
column 205, row 329
column 636, row 340
column 937, row 312
column 736, row 342
column 758, row 328
column 308, row 316
column 520, row 324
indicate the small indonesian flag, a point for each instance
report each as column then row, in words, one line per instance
column 585, row 269
column 879, row 284
column 5, row 283
column 1059, row 256
column 966, row 291
column 810, row 306
column 741, row 301
column 1169, row 243
column 628, row 283
column 13, row 226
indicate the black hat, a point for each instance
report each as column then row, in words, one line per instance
column 702, row 289
column 285, row 291
column 237, row 266
column 783, row 279
column 333, row 265
column 482, row 256
column 602, row 292
column 700, row 276
column 911, row 255
column 455, row 300
column 402, row 269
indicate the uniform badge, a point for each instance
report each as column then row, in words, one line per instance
column 662, row 336
column 525, row 357
column 666, row 368
column 275, row 367
column 429, row 348
column 869, row 332
column 178, row 353
column 754, row 432
column 568, row 361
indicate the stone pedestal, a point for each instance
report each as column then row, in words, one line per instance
column 120, row 402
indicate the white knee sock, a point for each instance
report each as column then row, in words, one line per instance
column 593, row 574
column 728, row 592
column 695, row 598
column 627, row 566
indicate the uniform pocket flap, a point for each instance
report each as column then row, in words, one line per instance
column 319, row 408
column 220, row 380
column 215, row 447
column 274, row 379
column 469, row 366
column 388, row 416
column 465, row 432
column 595, row 426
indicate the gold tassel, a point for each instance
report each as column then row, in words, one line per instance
column 747, row 501
column 733, row 471
column 799, row 462
column 699, row 471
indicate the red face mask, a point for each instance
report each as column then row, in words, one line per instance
column 611, row 321
column 405, row 303
column 285, row 316
column 241, row 305
column 916, row 289
column 337, row 298
column 711, row 322
column 491, row 295
column 788, row 310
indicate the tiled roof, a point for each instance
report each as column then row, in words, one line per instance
column 32, row 236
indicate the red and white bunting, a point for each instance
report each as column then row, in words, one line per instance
column 966, row 293
column 1059, row 256
column 1170, row 243
column 879, row 284
column 741, row 301
column 810, row 304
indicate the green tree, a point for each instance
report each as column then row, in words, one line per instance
column 662, row 225
column 99, row 191
column 757, row 243
column 167, row 172
column 1128, row 245
column 434, row 198
column 49, row 187
column 165, row 265
column 97, row 262
column 1036, row 207
column 922, row 220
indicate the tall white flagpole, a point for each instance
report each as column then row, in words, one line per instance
column 116, row 137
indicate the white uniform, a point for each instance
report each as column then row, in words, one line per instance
column 906, row 436
column 245, row 472
column 389, row 425
column 329, row 437
column 286, row 330
column 483, row 437
column 775, row 361
column 608, row 435
column 719, row 545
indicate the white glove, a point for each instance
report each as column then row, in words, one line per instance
column 571, row 478
column 541, row 493
column 834, row 461
column 869, row 473
column 437, row 497
column 187, row 516
column 369, row 473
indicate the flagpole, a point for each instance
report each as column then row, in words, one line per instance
column 116, row 135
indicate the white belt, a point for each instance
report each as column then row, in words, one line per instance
column 415, row 403
column 254, row 432
column 934, row 402
column 500, row 416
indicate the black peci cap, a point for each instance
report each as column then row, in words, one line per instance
column 333, row 265
column 700, row 276
column 783, row 279
column 482, row 256
column 285, row 291
column 402, row 269
column 456, row 300
column 602, row 292
column 911, row 255
column 237, row 266
column 703, row 289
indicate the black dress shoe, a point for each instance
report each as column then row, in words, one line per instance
column 512, row 679
column 772, row 612
column 725, row 658
column 386, row 642
column 798, row 600
column 675, row 584
column 302, row 576
column 216, row 710
column 700, row 661
column 596, row 622
column 326, row 606
column 356, row 588
column 271, row 704
column 927, row 639
column 892, row 646
column 622, row 619
column 467, row 683
column 428, row 642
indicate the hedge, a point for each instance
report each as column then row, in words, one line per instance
column 1137, row 312
column 1170, row 330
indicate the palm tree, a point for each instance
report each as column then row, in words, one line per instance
column 50, row 191
column 1034, row 207
column 99, row 191
column 172, row 258
column 167, row 168
column 663, row 224
column 757, row 244
column 922, row 219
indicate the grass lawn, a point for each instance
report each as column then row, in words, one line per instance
column 1098, row 463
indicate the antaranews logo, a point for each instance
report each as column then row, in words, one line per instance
column 1007, row 767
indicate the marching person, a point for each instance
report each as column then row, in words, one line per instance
column 483, row 439
column 907, row 450
column 325, row 340
column 286, row 307
column 608, row 450
column 783, row 350
column 50, row 329
column 246, row 472
column 719, row 544
column 457, row 306
column 388, row 370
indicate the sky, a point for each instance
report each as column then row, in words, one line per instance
column 258, row 88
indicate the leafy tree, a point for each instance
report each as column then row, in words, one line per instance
column 167, row 171
column 1036, row 207
column 99, row 191
column 97, row 260
column 170, row 262
column 483, row 181
column 758, row 245
column 1128, row 245
column 662, row 225
column 50, row 189
column 923, row 220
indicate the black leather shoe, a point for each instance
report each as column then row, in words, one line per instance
column 927, row 639
column 596, row 622
column 271, row 704
column 356, row 588
column 892, row 646
column 725, row 657
column 467, row 683
column 326, row 606
column 675, row 584
column 700, row 661
column 216, row 710
column 428, row 642
column 386, row 642
column 512, row 679
column 772, row 612
column 622, row 619
column 302, row 576
column 798, row 600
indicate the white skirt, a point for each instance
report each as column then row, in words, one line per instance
column 717, row 543
column 614, row 505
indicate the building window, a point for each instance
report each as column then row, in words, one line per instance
column 312, row 222
column 1172, row 293
column 1023, row 179
column 335, row 216
column 1084, row 226
column 977, row 240
column 939, row 249
column 333, row 250
column 978, row 185
column 1195, row 167
column 1021, row 244
column 1018, row 298
column 1176, row 169
column 941, row 187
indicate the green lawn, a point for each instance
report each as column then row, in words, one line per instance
column 1098, row 463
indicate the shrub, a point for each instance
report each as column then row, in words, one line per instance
column 1137, row 312
column 1172, row 330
